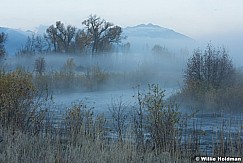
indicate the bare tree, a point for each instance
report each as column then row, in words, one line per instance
column 119, row 114
column 65, row 35
column 138, row 121
column 35, row 44
column 101, row 33
column 52, row 36
column 60, row 36
column 82, row 40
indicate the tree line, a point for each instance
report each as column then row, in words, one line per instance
column 97, row 36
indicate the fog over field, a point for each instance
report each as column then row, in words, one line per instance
column 121, row 81
column 133, row 70
column 141, row 65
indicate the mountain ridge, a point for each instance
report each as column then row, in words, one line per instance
column 154, row 31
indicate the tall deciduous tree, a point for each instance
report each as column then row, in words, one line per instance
column 60, row 36
column 102, row 34
column 82, row 41
column 52, row 36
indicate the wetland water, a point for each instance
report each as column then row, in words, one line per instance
column 210, row 127
column 100, row 100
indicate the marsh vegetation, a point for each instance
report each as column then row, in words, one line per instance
column 155, row 126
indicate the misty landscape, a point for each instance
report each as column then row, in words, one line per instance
column 105, row 93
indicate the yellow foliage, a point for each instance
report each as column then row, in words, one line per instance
column 16, row 95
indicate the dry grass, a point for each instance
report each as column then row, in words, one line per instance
column 19, row 147
column 77, row 143
column 80, row 136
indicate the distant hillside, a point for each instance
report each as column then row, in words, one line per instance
column 143, row 37
column 15, row 39
column 153, row 31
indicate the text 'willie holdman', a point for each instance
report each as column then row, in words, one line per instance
column 219, row 159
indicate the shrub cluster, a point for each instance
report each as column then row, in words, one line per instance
column 211, row 81
column 160, row 119
column 18, row 101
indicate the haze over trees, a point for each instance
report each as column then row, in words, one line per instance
column 35, row 44
column 211, row 80
column 158, row 49
column 36, row 108
column 209, row 69
column 3, row 38
column 98, row 36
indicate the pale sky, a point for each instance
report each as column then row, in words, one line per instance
column 194, row 18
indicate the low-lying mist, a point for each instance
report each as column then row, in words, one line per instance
column 133, row 68
column 101, row 77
